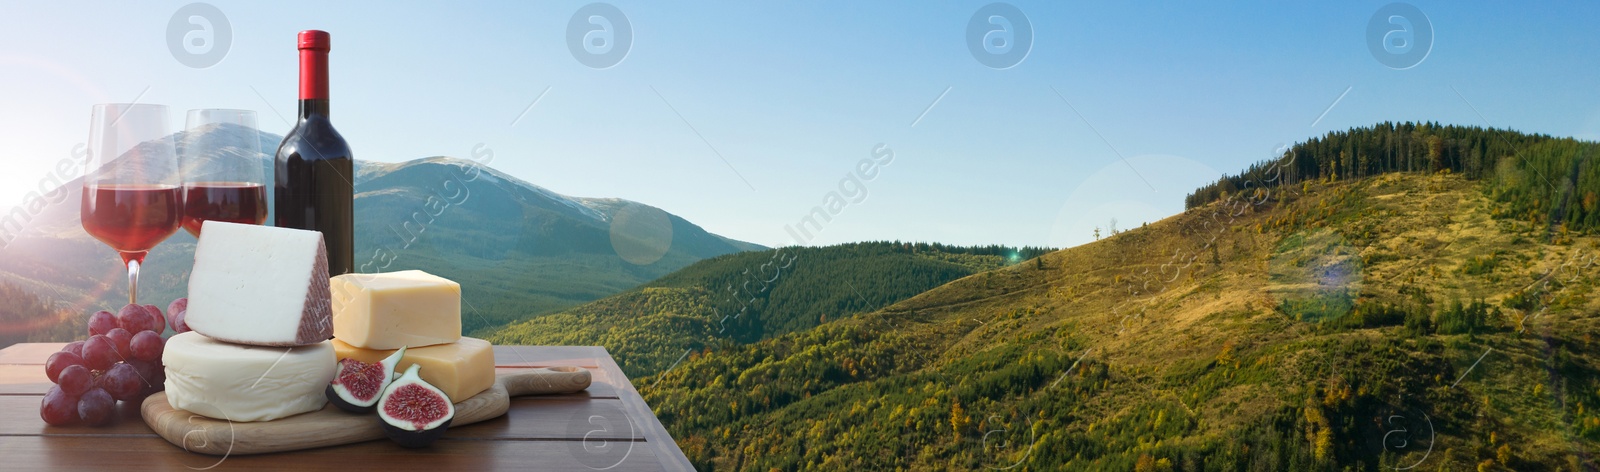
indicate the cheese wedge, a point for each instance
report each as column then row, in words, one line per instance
column 408, row 308
column 237, row 382
column 461, row 369
column 260, row 285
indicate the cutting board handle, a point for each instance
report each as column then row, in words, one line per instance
column 546, row 381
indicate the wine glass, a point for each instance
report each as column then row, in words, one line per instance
column 223, row 169
column 131, row 195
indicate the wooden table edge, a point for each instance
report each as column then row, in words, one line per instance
column 655, row 435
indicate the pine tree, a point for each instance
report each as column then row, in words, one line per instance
column 958, row 418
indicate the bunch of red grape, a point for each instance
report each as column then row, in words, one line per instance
column 121, row 361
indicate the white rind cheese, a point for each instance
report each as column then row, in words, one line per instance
column 260, row 285
column 246, row 383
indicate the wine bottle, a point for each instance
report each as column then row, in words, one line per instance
column 314, row 180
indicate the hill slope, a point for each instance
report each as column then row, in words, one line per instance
column 750, row 296
column 1371, row 324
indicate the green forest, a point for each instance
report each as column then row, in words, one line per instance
column 1540, row 178
column 750, row 296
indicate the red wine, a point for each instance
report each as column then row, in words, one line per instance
column 233, row 202
column 131, row 218
column 314, row 179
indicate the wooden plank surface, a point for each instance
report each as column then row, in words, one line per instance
column 152, row 453
column 19, row 416
column 29, row 353
column 23, row 380
column 656, row 436
column 538, row 432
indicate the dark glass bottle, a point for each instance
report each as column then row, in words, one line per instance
column 314, row 182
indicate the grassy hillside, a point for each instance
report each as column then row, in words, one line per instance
column 750, row 296
column 1370, row 324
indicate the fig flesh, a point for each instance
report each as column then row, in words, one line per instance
column 357, row 386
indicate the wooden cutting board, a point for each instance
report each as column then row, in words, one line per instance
column 331, row 426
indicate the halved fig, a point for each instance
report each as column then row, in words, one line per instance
column 414, row 413
column 357, row 385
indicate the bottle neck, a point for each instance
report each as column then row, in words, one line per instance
column 313, row 82
column 313, row 107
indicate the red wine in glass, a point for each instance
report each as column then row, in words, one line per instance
column 132, row 193
column 233, row 202
column 223, row 169
column 131, row 218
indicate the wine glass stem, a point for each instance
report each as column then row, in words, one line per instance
column 133, row 282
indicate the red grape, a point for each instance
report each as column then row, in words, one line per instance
column 60, row 361
column 101, row 322
column 146, row 346
column 122, row 382
column 75, row 347
column 157, row 322
column 99, row 352
column 134, row 318
column 59, row 408
column 152, row 373
column 120, row 338
column 181, row 304
column 178, row 325
column 75, row 379
column 95, row 407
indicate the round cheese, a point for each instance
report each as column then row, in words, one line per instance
column 237, row 382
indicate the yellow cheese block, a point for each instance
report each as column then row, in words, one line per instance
column 461, row 369
column 408, row 308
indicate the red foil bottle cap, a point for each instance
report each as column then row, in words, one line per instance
column 314, row 46
column 316, row 40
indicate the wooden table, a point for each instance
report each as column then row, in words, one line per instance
column 607, row 427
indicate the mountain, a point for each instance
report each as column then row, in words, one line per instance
column 518, row 250
column 750, row 296
column 1321, row 318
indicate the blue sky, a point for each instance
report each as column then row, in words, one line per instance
column 791, row 95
